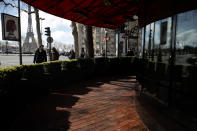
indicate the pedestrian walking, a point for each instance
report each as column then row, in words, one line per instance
column 103, row 53
column 40, row 55
column 130, row 52
column 82, row 53
column 55, row 54
column 72, row 54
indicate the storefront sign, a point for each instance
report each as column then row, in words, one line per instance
column 106, row 38
column 10, row 27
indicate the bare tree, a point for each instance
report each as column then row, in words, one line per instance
column 89, row 42
column 38, row 26
column 13, row 4
column 75, row 35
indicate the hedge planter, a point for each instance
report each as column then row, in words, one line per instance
column 86, row 67
column 126, row 64
column 33, row 72
column 52, row 69
column 114, row 64
column 11, row 73
column 101, row 66
column 70, row 71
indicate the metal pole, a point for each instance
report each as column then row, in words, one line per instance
column 144, row 42
column 6, row 46
column 153, row 49
column 19, row 33
column 50, row 55
column 106, row 44
column 172, row 60
column 138, row 34
column 41, row 19
column 118, row 46
column 144, row 23
column 41, row 26
column 149, row 43
column 125, row 46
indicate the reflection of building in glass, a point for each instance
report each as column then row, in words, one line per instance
column 186, row 39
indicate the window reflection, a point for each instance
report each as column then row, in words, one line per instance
column 155, row 50
column 186, row 38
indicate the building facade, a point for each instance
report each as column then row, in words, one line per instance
column 128, row 40
column 163, row 41
column 104, row 39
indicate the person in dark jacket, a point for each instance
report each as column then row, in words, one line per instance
column 130, row 53
column 82, row 53
column 55, row 54
column 72, row 54
column 40, row 55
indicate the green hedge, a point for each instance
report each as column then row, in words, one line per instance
column 101, row 66
column 114, row 65
column 9, row 76
column 86, row 67
column 11, row 73
column 52, row 67
column 79, row 69
column 68, row 68
column 33, row 72
column 126, row 64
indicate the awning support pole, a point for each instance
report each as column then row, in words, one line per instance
column 19, row 33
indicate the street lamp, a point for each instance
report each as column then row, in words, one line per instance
column 41, row 19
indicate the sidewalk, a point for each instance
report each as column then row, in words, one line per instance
column 102, row 104
column 95, row 105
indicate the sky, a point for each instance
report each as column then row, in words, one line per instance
column 62, row 33
column 61, row 30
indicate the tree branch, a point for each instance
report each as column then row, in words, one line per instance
column 14, row 6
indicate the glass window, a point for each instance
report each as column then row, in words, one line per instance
column 161, row 48
column 186, row 38
column 148, row 43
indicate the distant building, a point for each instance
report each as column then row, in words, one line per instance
column 99, row 42
column 125, row 44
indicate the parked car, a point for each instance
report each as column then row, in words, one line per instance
column 27, row 52
column 62, row 53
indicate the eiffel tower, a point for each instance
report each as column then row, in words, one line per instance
column 30, row 43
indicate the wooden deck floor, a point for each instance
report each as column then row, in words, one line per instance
column 105, row 105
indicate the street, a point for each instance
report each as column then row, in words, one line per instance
column 13, row 59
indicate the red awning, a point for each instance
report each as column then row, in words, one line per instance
column 101, row 13
column 154, row 10
column 113, row 13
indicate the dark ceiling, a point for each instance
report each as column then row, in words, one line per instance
column 113, row 13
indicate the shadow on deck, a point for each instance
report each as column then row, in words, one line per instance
column 107, row 104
